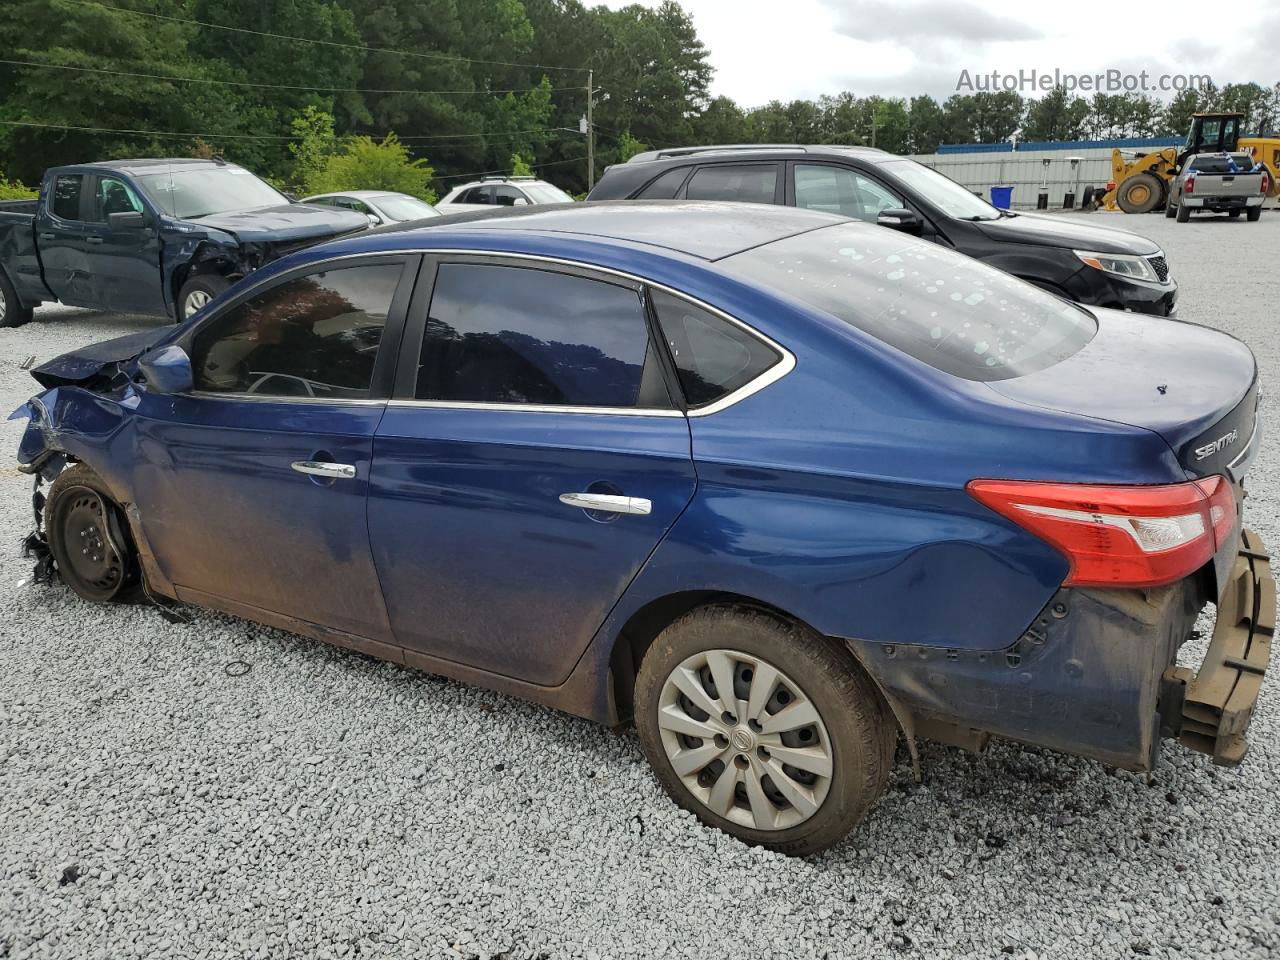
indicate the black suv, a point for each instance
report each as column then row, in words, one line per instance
column 1091, row 265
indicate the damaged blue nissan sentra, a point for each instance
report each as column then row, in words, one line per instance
column 776, row 485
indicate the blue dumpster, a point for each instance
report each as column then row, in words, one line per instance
column 1002, row 197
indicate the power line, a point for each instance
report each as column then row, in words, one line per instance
column 326, row 43
column 441, row 139
column 263, row 86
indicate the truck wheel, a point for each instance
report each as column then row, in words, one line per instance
column 1254, row 214
column 1233, row 214
column 1170, row 211
column 1184, row 213
column 198, row 291
column 762, row 728
column 1140, row 194
column 89, row 538
column 12, row 313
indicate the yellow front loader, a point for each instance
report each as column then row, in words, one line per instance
column 1140, row 183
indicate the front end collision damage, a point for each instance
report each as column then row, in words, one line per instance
column 1096, row 673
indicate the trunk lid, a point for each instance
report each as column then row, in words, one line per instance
column 1195, row 387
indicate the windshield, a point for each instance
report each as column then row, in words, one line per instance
column 943, row 192
column 545, row 193
column 191, row 194
column 399, row 207
column 945, row 309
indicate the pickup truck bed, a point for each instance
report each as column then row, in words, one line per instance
column 1219, row 183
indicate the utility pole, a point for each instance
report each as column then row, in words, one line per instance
column 591, row 132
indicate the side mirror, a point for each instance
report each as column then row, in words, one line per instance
column 908, row 221
column 168, row 370
column 520, row 202
column 374, row 220
column 130, row 220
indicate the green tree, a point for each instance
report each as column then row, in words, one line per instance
column 1056, row 116
column 927, row 125
column 363, row 164
column 520, row 167
column 12, row 190
column 313, row 146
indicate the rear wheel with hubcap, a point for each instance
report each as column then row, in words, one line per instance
column 762, row 728
column 89, row 538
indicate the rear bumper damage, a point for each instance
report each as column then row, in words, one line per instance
column 1211, row 710
column 1095, row 674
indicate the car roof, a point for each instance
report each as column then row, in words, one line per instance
column 147, row 165
column 498, row 181
column 708, row 230
column 361, row 194
column 753, row 150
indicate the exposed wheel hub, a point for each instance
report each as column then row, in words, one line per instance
column 90, row 553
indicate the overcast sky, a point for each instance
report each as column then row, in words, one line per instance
column 769, row 49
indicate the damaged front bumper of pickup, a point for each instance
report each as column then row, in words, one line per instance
column 1096, row 673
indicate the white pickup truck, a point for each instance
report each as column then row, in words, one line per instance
column 1221, row 183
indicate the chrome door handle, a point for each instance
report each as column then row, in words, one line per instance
column 92, row 238
column 321, row 468
column 608, row 502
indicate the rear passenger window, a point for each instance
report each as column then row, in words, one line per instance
column 476, row 195
column 666, row 186
column 498, row 334
column 748, row 183
column 713, row 356
column 66, row 196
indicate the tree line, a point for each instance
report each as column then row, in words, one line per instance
column 415, row 94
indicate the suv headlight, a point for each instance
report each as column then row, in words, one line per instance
column 1121, row 264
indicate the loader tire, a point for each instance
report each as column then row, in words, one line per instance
column 1140, row 194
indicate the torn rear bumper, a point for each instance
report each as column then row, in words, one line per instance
column 1211, row 710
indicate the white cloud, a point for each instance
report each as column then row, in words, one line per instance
column 764, row 50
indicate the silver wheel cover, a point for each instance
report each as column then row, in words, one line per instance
column 195, row 300
column 745, row 740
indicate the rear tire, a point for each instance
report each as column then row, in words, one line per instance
column 1170, row 211
column 1140, row 194
column 198, row 291
column 89, row 538
column 1184, row 213
column 12, row 313
column 1233, row 214
column 1254, row 214
column 796, row 783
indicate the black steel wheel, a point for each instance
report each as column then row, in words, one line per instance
column 89, row 538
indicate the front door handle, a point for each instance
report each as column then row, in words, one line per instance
column 322, row 468
column 48, row 236
column 93, row 238
column 608, row 503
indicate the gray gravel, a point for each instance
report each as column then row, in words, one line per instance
column 328, row 805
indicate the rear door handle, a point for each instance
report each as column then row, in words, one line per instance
column 48, row 236
column 92, row 239
column 608, row 502
column 322, row 468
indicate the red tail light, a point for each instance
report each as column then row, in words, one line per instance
column 1117, row 536
column 1266, row 184
column 1190, row 185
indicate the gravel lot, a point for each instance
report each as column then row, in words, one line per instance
column 329, row 805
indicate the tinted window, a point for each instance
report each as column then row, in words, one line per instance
column 666, row 186
column 351, row 203
column 475, row 195
column 507, row 196
column 515, row 335
column 66, row 197
column 840, row 190
column 952, row 312
column 314, row 337
column 114, row 196
column 713, row 356
column 748, row 183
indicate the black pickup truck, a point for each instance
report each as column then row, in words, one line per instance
column 160, row 237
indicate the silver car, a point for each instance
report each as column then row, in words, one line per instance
column 379, row 206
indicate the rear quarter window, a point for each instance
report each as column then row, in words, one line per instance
column 713, row 357
column 945, row 309
column 746, row 183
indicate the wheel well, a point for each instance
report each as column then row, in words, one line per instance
column 649, row 621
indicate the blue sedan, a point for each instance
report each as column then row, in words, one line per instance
column 778, row 486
